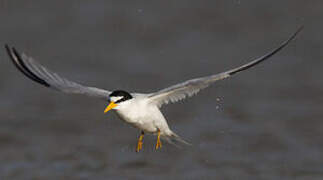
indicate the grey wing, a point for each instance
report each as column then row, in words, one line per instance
column 191, row 87
column 38, row 73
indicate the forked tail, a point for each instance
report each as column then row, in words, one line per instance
column 175, row 139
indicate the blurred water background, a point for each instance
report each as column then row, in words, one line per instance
column 262, row 124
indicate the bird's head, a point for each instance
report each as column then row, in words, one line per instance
column 116, row 98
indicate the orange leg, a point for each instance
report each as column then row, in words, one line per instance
column 159, row 144
column 141, row 137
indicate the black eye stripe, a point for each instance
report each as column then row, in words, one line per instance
column 123, row 99
column 120, row 93
column 120, row 100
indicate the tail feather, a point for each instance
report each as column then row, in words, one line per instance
column 172, row 138
column 170, row 141
column 179, row 139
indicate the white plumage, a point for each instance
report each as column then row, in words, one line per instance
column 140, row 110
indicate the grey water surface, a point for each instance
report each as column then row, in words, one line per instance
column 263, row 124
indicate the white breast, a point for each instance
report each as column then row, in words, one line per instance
column 139, row 113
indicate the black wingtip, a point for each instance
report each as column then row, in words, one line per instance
column 20, row 65
column 268, row 55
column 6, row 46
column 301, row 27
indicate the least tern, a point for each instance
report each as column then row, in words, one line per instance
column 140, row 110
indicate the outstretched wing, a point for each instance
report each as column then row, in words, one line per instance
column 38, row 73
column 189, row 88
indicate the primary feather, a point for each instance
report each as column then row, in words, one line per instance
column 191, row 87
column 38, row 73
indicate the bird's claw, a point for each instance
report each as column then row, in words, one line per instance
column 159, row 144
column 139, row 145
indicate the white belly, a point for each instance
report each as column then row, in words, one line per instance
column 142, row 115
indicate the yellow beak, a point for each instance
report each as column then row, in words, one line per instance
column 110, row 106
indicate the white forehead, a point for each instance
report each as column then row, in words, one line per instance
column 115, row 98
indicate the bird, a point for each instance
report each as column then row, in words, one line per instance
column 141, row 110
